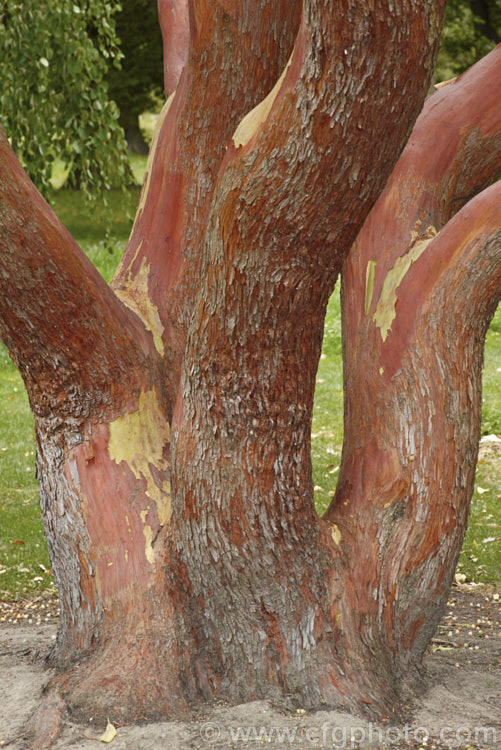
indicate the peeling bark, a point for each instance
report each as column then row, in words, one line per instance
column 278, row 233
column 173, row 408
column 235, row 57
column 88, row 364
column 419, row 290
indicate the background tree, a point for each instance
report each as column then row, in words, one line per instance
column 139, row 79
column 173, row 408
column 54, row 98
column 471, row 30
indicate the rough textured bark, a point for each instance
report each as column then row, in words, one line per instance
column 173, row 408
column 419, row 289
column 87, row 362
column 247, row 50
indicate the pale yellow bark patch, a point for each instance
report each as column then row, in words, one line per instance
column 136, row 296
column 139, row 439
column 148, row 537
column 335, row 532
column 134, row 291
column 385, row 311
column 369, row 284
column 253, row 119
column 444, row 83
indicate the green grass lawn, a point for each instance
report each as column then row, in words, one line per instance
column 24, row 559
column 102, row 232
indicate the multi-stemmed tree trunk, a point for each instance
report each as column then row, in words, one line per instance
column 173, row 409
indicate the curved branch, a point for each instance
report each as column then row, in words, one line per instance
column 72, row 339
column 453, row 153
column 406, row 478
column 457, row 123
column 459, row 273
column 237, row 52
column 287, row 205
column 418, row 293
column 315, row 139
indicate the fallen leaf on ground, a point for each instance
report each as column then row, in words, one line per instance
column 109, row 733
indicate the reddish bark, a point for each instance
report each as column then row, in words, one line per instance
column 406, row 478
column 175, row 25
column 199, row 569
column 162, row 259
column 85, row 358
column 247, row 393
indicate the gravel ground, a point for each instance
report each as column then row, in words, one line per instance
column 461, row 708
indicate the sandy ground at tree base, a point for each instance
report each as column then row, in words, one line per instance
column 460, row 709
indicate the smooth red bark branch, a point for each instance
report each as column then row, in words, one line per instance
column 425, row 186
column 174, row 22
column 406, row 479
column 459, row 274
column 454, row 152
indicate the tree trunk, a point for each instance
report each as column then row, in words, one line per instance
column 173, row 409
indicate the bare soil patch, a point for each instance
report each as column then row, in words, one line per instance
column 460, row 709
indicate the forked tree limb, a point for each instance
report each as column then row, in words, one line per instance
column 453, row 153
column 236, row 589
column 280, row 225
column 419, row 290
column 294, row 188
column 237, row 52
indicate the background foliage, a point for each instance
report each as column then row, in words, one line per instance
column 471, row 29
column 54, row 97
column 138, row 84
